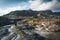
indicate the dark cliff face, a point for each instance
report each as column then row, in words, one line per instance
column 4, row 21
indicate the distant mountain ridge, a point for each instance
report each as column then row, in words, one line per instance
column 26, row 13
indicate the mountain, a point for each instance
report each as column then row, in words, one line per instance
column 27, row 13
column 22, row 13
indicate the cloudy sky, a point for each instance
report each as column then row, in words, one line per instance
column 7, row 6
